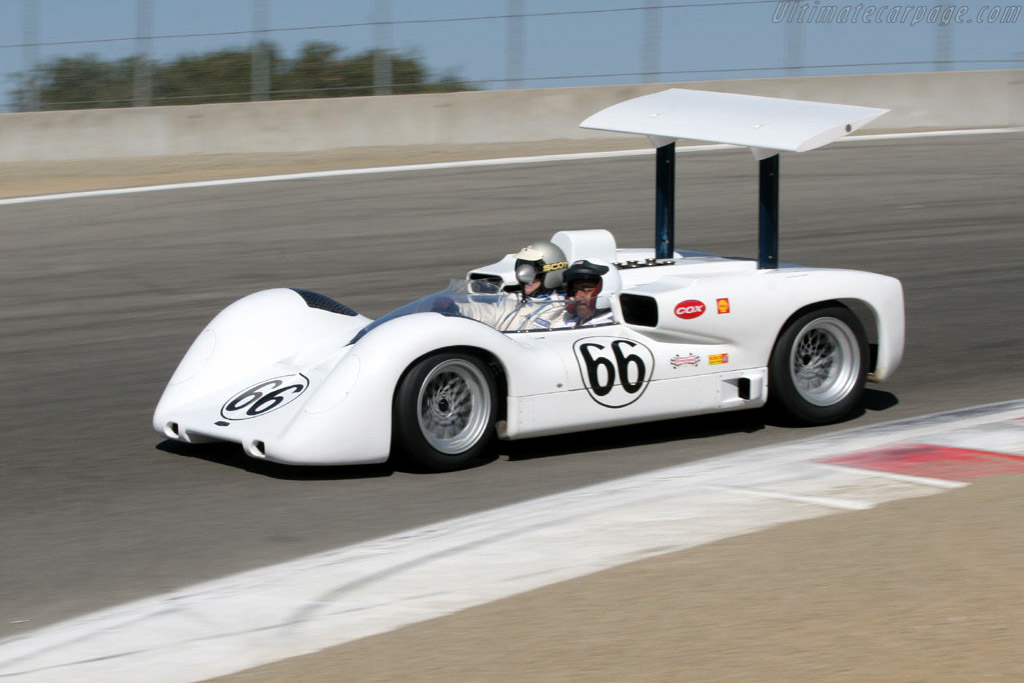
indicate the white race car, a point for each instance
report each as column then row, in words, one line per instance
column 296, row 377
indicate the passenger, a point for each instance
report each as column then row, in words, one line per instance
column 588, row 299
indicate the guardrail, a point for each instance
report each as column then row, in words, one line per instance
column 966, row 99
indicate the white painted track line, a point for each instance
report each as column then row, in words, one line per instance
column 302, row 606
column 547, row 158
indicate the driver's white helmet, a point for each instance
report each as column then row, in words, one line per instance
column 544, row 259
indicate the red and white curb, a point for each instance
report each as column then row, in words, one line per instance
column 305, row 605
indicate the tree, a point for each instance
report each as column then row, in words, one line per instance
column 314, row 73
column 222, row 76
column 77, row 83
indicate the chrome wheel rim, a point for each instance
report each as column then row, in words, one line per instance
column 825, row 361
column 453, row 406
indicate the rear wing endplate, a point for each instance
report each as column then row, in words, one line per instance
column 767, row 125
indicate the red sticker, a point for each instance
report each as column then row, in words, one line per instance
column 689, row 309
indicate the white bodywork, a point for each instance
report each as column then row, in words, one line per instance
column 272, row 341
column 767, row 125
column 294, row 378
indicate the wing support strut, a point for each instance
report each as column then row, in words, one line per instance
column 665, row 210
column 768, row 213
column 766, row 125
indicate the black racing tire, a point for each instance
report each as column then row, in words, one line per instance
column 818, row 367
column 444, row 411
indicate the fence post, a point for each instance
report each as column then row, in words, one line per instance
column 260, row 86
column 382, row 76
column 514, row 56
column 943, row 60
column 30, row 27
column 652, row 40
column 143, row 68
column 794, row 41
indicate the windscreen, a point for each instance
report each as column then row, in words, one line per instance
column 484, row 302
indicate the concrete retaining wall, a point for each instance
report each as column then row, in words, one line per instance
column 971, row 99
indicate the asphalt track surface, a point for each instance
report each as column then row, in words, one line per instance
column 103, row 295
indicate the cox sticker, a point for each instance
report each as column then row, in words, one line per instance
column 615, row 371
column 264, row 397
column 690, row 309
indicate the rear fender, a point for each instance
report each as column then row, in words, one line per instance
column 748, row 311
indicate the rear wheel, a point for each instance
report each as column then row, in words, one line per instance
column 444, row 411
column 818, row 366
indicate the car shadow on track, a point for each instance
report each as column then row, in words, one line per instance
column 664, row 431
column 650, row 433
column 232, row 455
column 677, row 430
column 877, row 401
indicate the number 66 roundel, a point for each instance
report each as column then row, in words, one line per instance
column 615, row 371
column 264, row 397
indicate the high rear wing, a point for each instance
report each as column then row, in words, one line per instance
column 767, row 125
column 771, row 124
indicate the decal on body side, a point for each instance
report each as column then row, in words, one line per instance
column 689, row 309
column 263, row 397
column 615, row 371
column 689, row 359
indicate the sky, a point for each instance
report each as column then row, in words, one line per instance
column 565, row 42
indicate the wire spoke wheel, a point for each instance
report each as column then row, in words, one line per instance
column 444, row 411
column 454, row 406
column 817, row 370
column 825, row 361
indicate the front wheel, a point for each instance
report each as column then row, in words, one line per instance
column 818, row 366
column 444, row 411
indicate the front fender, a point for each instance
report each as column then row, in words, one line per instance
column 258, row 331
column 347, row 419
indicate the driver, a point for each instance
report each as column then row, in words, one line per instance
column 539, row 267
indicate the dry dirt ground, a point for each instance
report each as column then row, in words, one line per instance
column 926, row 589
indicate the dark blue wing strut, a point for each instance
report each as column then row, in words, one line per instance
column 665, row 212
column 768, row 215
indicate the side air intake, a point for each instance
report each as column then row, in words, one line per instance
column 639, row 310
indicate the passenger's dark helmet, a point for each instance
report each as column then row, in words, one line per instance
column 595, row 269
column 584, row 270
